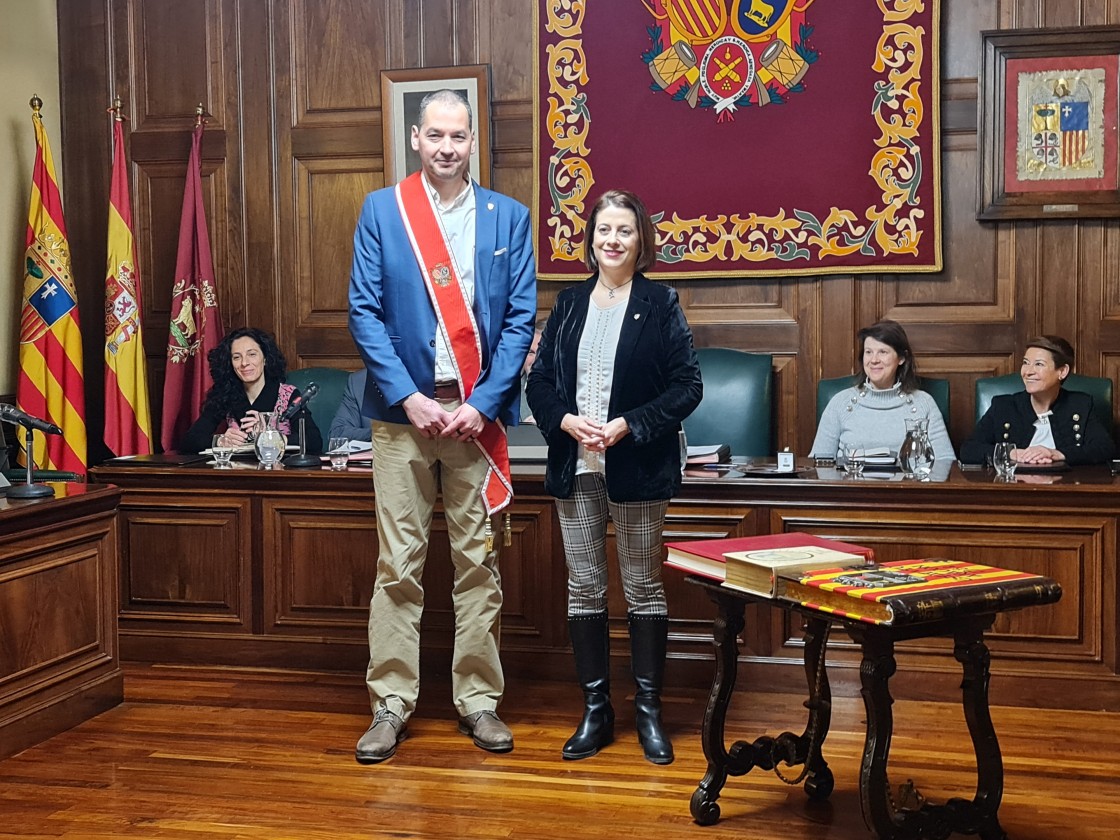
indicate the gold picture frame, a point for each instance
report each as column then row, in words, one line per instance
column 401, row 92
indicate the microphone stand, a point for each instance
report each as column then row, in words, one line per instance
column 30, row 490
column 302, row 460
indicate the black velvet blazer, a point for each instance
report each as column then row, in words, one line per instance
column 1077, row 433
column 656, row 385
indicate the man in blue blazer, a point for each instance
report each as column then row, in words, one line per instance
column 443, row 349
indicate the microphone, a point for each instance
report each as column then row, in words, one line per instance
column 22, row 418
column 299, row 402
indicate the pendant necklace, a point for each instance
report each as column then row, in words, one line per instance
column 611, row 290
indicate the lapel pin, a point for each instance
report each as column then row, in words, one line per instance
column 490, row 205
column 636, row 316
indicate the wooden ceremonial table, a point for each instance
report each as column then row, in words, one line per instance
column 888, row 818
column 59, row 663
column 247, row 567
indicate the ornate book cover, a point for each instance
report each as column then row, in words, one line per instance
column 757, row 571
column 911, row 591
column 706, row 557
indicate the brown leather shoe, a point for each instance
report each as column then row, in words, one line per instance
column 487, row 731
column 381, row 739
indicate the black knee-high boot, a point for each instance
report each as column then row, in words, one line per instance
column 648, row 637
column 592, row 646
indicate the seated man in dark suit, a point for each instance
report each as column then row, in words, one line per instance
column 348, row 420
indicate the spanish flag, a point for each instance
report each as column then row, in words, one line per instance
column 128, row 423
column 50, row 383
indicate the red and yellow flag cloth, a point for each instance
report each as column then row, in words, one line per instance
column 50, row 384
column 196, row 324
column 128, row 422
column 441, row 278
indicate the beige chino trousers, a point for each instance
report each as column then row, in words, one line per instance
column 409, row 471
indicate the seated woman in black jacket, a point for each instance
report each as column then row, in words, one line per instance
column 1047, row 423
column 248, row 371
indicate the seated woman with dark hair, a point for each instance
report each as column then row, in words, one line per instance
column 884, row 395
column 248, row 371
column 1047, row 423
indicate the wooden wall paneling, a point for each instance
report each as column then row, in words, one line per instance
column 338, row 49
column 59, row 662
column 329, row 137
column 323, row 565
column 186, row 565
column 84, row 52
column 441, row 44
column 251, row 219
column 960, row 52
column 179, row 48
column 295, row 139
column 328, row 198
column 1059, row 286
column 506, row 45
column 534, row 593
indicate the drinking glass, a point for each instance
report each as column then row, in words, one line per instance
column 1002, row 460
column 222, row 456
column 338, row 450
column 856, row 460
column 270, row 441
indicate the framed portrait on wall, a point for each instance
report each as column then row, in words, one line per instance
column 1048, row 113
column 401, row 94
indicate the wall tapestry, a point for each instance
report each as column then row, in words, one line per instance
column 767, row 137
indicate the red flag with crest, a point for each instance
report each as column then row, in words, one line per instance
column 196, row 324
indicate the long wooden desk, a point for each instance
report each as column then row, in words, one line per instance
column 58, row 613
column 275, row 569
column 888, row 818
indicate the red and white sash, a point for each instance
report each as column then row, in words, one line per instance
column 456, row 321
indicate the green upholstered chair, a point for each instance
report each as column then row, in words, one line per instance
column 1098, row 387
column 736, row 408
column 936, row 388
column 332, row 385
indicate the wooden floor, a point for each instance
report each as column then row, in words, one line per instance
column 197, row 754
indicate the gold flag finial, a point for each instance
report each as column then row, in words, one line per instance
column 200, row 114
column 115, row 110
column 36, row 103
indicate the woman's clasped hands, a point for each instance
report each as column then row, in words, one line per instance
column 248, row 427
column 591, row 434
column 1037, row 455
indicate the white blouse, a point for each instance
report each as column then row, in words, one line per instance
column 598, row 346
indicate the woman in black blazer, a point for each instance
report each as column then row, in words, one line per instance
column 1047, row 423
column 615, row 375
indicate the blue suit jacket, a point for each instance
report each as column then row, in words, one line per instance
column 349, row 422
column 394, row 325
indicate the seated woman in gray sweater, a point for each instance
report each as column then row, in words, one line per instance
column 885, row 394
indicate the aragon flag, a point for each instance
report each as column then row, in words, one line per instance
column 50, row 384
column 196, row 325
column 128, row 423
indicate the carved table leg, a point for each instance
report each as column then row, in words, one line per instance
column 765, row 752
column 929, row 821
column 725, row 631
column 819, row 783
column 875, row 671
column 981, row 816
